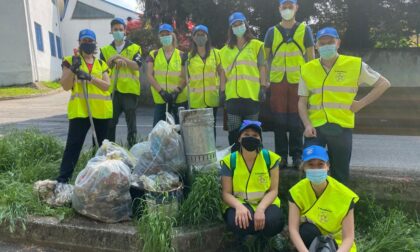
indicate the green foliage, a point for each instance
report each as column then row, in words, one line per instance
column 203, row 205
column 156, row 229
column 146, row 38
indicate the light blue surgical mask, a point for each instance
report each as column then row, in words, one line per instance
column 316, row 176
column 287, row 14
column 118, row 35
column 166, row 40
column 327, row 51
column 239, row 31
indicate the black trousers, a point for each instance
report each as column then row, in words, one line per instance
column 274, row 222
column 308, row 232
column 126, row 103
column 339, row 142
column 78, row 128
column 160, row 110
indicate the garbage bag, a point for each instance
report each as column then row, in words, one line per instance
column 139, row 149
column 108, row 147
column 53, row 193
column 102, row 189
column 161, row 182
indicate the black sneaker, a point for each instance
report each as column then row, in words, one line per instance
column 297, row 161
column 283, row 163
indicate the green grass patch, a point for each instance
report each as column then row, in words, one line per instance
column 25, row 90
column 51, row 84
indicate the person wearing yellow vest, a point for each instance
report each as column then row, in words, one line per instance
column 123, row 56
column 250, row 182
column 205, row 72
column 244, row 64
column 327, row 104
column 164, row 73
column 289, row 45
column 94, row 72
column 319, row 205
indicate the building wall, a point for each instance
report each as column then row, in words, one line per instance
column 15, row 60
column 45, row 13
column 71, row 27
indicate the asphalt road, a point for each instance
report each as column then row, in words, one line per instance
column 48, row 113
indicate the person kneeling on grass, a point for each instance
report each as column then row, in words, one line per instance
column 250, row 181
column 320, row 206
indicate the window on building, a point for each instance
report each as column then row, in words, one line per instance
column 52, row 44
column 84, row 11
column 38, row 33
column 59, row 49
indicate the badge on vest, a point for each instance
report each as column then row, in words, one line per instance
column 323, row 215
column 262, row 178
column 340, row 76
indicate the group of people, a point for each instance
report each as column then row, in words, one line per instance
column 312, row 101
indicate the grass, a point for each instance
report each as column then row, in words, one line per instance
column 26, row 157
column 25, row 90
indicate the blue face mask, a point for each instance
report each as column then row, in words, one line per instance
column 327, row 51
column 166, row 40
column 316, row 176
column 239, row 31
column 118, row 35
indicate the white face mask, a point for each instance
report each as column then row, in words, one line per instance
column 287, row 14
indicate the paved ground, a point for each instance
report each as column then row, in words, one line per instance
column 48, row 113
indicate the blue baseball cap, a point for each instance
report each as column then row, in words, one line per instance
column 201, row 28
column 285, row 1
column 246, row 124
column 327, row 31
column 87, row 33
column 315, row 152
column 117, row 21
column 166, row 27
column 236, row 16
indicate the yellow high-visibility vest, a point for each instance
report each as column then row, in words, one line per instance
column 128, row 80
column 331, row 95
column 167, row 75
column 328, row 211
column 250, row 187
column 242, row 72
column 100, row 101
column 288, row 56
column 204, row 80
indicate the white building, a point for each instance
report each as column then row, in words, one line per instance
column 37, row 34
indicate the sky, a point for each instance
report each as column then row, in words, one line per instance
column 129, row 4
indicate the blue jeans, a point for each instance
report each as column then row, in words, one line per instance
column 339, row 142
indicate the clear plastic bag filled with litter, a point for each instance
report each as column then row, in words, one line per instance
column 125, row 155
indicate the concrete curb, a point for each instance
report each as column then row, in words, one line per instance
column 55, row 91
column 82, row 234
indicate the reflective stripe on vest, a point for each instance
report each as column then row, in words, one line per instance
column 128, row 80
column 242, row 75
column 328, row 211
column 168, row 76
column 99, row 101
column 250, row 187
column 288, row 58
column 331, row 95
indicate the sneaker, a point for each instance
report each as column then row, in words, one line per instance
column 297, row 161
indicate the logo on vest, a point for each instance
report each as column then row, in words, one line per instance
column 323, row 215
column 262, row 179
column 340, row 76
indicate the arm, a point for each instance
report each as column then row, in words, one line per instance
column 263, row 75
column 103, row 83
column 67, row 79
column 348, row 232
column 294, row 223
column 222, row 78
column 303, row 113
column 267, row 200
column 151, row 78
column 310, row 53
column 381, row 85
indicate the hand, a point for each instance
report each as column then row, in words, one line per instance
column 75, row 65
column 309, row 131
column 242, row 217
column 82, row 75
column 175, row 94
column 259, row 220
column 111, row 61
column 120, row 63
column 165, row 96
column 222, row 98
column 356, row 106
